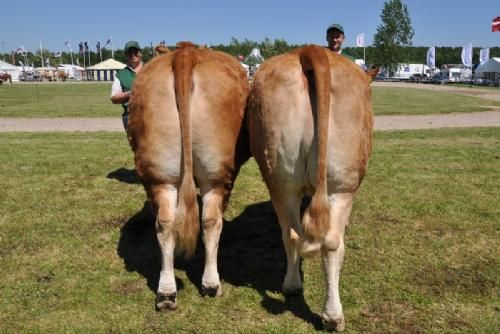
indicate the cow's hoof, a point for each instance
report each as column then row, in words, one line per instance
column 166, row 302
column 337, row 325
column 211, row 291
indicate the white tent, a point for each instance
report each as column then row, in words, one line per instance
column 10, row 69
column 489, row 70
column 105, row 70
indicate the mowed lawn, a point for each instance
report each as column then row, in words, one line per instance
column 57, row 100
column 78, row 252
column 92, row 100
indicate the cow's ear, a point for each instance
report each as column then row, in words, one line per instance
column 372, row 73
column 160, row 49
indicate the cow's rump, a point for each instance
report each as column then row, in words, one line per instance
column 185, row 126
column 310, row 128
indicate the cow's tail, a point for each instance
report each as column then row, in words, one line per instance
column 186, row 224
column 316, row 218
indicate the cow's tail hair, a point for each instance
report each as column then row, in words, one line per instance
column 186, row 226
column 316, row 218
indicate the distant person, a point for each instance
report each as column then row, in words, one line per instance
column 124, row 78
column 335, row 37
column 245, row 66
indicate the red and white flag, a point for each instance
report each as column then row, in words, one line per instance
column 495, row 25
column 360, row 40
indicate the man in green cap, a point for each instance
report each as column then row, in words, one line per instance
column 335, row 37
column 124, row 78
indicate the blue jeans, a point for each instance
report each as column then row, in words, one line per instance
column 125, row 120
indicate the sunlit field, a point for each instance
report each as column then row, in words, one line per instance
column 92, row 100
column 78, row 252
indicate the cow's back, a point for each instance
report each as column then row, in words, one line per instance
column 281, row 124
column 217, row 103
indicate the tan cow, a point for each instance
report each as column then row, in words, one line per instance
column 310, row 125
column 185, row 126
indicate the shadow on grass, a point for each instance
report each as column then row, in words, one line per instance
column 138, row 247
column 250, row 254
column 124, row 175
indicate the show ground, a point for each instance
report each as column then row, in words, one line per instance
column 478, row 119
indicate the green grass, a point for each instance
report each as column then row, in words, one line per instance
column 92, row 100
column 78, row 252
column 57, row 100
column 411, row 101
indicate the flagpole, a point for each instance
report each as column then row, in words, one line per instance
column 41, row 52
column 89, row 52
column 83, row 49
column 71, row 53
column 25, row 54
column 112, row 49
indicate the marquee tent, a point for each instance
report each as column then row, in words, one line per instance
column 10, row 69
column 489, row 70
column 105, row 70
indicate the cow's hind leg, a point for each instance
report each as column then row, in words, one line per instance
column 288, row 211
column 212, row 228
column 333, row 256
column 164, row 201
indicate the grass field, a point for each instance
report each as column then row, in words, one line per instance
column 57, row 100
column 78, row 252
column 92, row 100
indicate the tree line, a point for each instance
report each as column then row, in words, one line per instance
column 392, row 44
column 268, row 48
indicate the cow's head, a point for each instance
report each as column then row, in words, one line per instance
column 372, row 72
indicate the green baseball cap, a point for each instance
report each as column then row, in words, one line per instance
column 335, row 26
column 132, row 45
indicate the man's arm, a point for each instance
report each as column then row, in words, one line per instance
column 118, row 96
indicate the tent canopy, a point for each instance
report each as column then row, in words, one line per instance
column 4, row 66
column 108, row 64
column 491, row 65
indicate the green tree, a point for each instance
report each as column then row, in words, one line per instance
column 394, row 35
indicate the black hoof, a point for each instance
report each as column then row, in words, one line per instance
column 211, row 291
column 293, row 292
column 166, row 302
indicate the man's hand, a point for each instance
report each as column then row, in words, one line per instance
column 121, row 97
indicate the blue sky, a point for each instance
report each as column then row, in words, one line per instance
column 436, row 22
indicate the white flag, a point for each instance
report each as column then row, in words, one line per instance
column 484, row 55
column 360, row 40
column 467, row 55
column 431, row 57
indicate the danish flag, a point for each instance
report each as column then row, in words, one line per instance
column 495, row 25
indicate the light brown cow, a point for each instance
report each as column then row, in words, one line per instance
column 185, row 126
column 310, row 125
